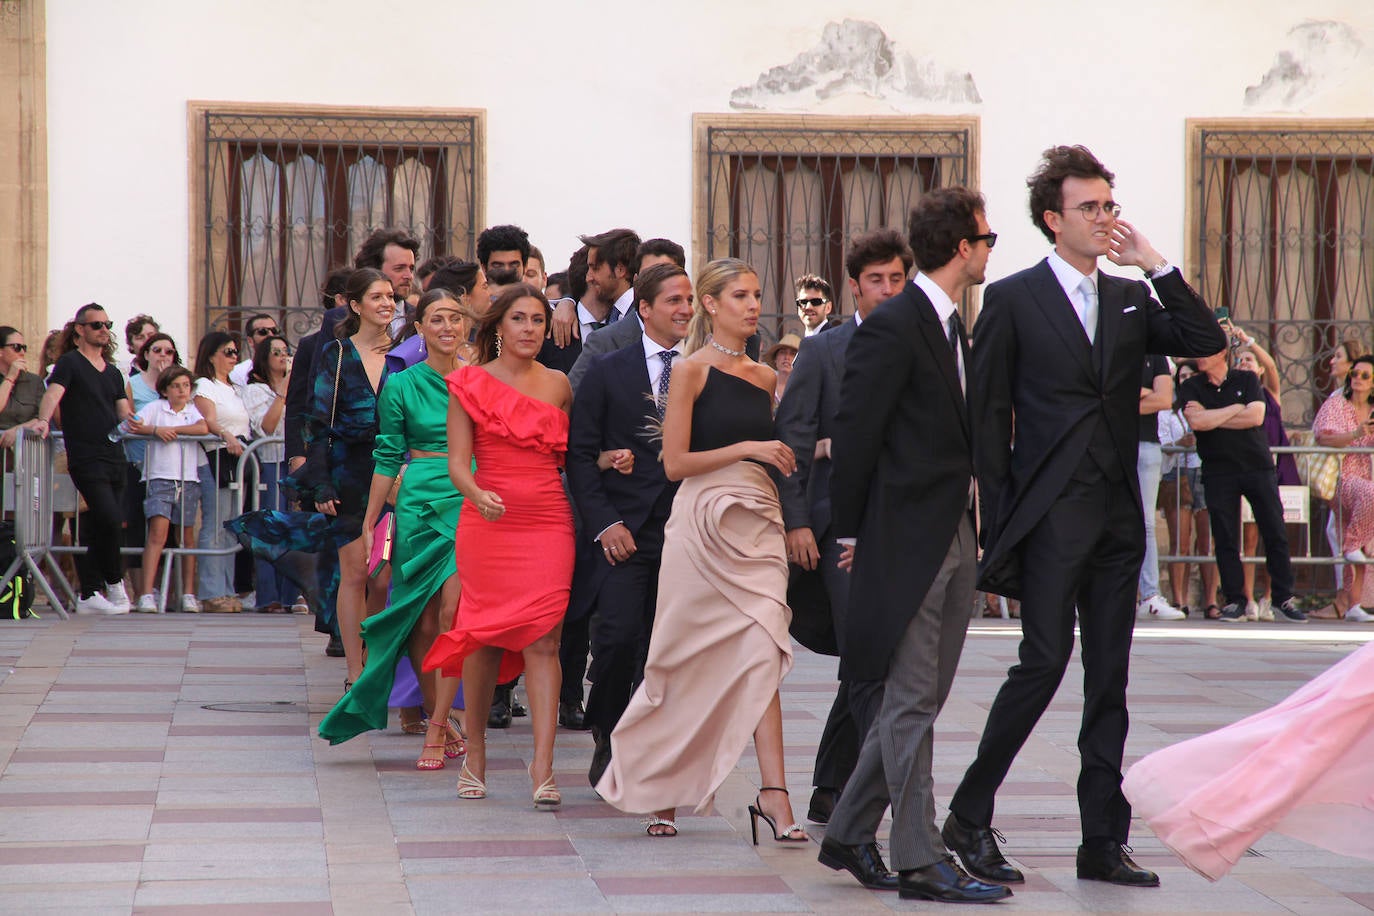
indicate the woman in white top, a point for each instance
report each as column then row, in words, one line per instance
column 265, row 398
column 219, row 402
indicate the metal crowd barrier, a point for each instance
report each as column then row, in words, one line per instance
column 40, row 494
column 1297, row 501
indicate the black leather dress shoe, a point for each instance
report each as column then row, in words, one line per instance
column 1111, row 864
column 601, row 758
column 517, row 708
column 977, row 848
column 946, row 882
column 573, row 716
column 499, row 717
column 822, row 805
column 864, row 862
column 334, row 648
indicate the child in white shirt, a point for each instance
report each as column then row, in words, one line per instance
column 171, row 470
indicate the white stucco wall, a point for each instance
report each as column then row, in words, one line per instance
column 589, row 104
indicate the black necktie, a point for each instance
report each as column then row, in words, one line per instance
column 598, row 325
column 612, row 316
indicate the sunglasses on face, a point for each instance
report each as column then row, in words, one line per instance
column 162, row 351
column 18, row 347
column 229, row 353
column 264, row 332
column 811, row 303
column 989, row 237
column 98, row 325
column 280, row 353
column 1366, row 375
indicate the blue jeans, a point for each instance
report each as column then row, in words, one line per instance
column 1147, row 470
column 272, row 587
column 214, row 575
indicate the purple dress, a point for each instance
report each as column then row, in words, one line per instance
column 1275, row 434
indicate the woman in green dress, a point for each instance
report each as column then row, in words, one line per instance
column 412, row 414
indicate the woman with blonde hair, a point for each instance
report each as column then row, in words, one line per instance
column 720, row 645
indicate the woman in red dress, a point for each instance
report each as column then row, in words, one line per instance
column 515, row 531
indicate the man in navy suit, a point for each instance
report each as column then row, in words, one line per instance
column 1056, row 362
column 622, row 496
column 877, row 264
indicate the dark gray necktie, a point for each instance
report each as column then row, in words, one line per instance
column 955, row 325
column 661, row 400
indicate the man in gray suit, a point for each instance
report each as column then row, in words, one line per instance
column 877, row 263
column 902, row 482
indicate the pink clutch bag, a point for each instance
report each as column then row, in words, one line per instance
column 382, row 538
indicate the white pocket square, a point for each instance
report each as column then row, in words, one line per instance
column 1128, row 309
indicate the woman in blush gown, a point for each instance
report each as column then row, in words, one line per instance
column 515, row 532
column 1303, row 768
column 720, row 645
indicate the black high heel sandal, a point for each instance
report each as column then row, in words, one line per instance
column 756, row 812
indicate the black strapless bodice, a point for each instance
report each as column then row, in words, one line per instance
column 729, row 410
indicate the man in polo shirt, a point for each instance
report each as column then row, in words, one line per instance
column 1225, row 408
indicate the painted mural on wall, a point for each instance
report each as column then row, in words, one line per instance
column 1317, row 57
column 856, row 58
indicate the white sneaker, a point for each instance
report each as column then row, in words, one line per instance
column 1355, row 556
column 189, row 604
column 1252, row 610
column 117, row 596
column 1266, row 609
column 98, row 604
column 1357, row 614
column 1156, row 608
column 147, row 604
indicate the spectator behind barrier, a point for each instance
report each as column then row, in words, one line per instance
column 1343, row 421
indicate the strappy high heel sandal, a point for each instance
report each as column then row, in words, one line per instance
column 415, row 726
column 430, row 763
column 546, row 796
column 457, row 744
column 756, row 812
column 469, row 786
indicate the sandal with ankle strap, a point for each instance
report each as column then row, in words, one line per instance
column 756, row 812
column 430, row 763
column 469, row 786
column 457, row 743
column 546, row 796
column 669, row 827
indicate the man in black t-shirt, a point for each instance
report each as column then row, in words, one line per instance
column 1225, row 408
column 91, row 393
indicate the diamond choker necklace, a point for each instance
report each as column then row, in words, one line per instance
column 726, row 350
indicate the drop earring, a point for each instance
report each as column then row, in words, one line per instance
column 498, row 346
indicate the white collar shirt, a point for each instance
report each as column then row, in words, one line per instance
column 1069, row 279
column 944, row 307
column 654, row 361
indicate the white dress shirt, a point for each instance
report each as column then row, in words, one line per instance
column 1069, row 279
column 944, row 307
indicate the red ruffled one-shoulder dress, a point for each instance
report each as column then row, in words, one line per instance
column 516, row 571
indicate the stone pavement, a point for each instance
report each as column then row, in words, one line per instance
column 168, row 765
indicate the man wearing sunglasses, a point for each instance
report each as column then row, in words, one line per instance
column 1057, row 357
column 258, row 328
column 91, row 393
column 815, row 304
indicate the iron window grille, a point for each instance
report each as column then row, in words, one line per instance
column 1282, row 234
column 788, row 193
column 286, row 193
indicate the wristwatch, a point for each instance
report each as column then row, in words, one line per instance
column 1158, row 269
